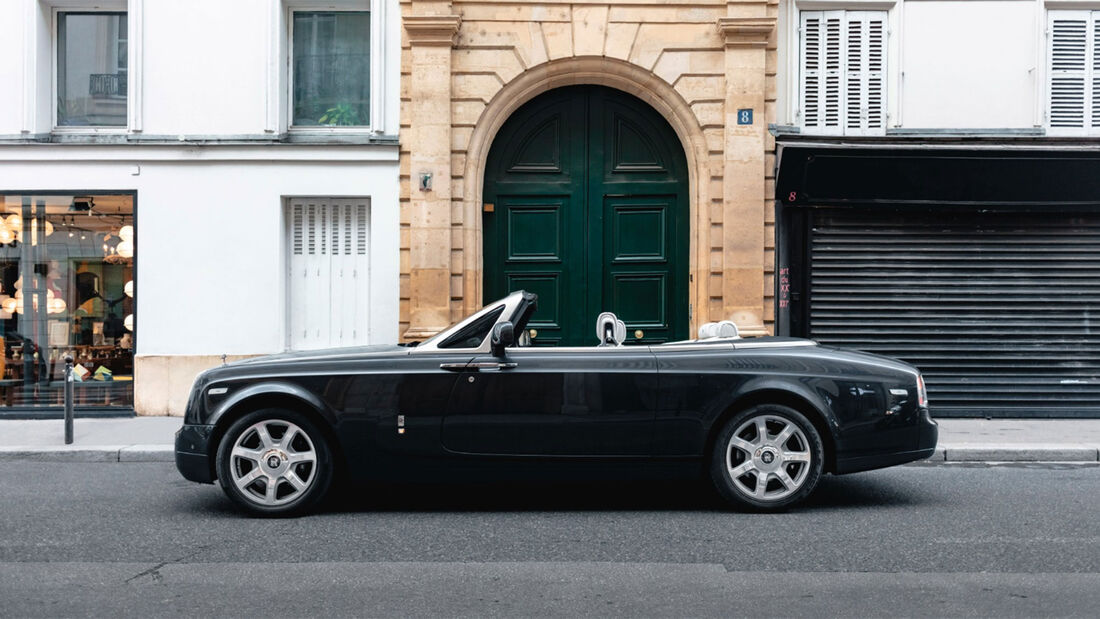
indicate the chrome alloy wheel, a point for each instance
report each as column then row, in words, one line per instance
column 768, row 457
column 273, row 462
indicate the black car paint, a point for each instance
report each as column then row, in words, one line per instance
column 566, row 411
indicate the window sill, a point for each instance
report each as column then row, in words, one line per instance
column 262, row 139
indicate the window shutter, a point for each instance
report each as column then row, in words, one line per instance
column 1070, row 44
column 1094, row 57
column 843, row 68
column 328, row 267
column 810, row 70
column 865, row 58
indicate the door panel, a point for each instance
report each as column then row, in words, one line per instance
column 556, row 402
column 589, row 194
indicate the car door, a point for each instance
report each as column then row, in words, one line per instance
column 554, row 402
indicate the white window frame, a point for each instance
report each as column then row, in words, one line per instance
column 133, row 46
column 377, row 63
column 796, row 47
column 1088, row 11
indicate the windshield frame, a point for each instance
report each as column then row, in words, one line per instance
column 513, row 303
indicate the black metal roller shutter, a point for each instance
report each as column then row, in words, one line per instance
column 1000, row 311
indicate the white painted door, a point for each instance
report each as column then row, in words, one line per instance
column 328, row 272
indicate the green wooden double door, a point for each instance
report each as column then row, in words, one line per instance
column 586, row 205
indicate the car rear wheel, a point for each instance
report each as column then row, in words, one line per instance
column 274, row 463
column 767, row 458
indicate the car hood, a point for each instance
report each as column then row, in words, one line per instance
column 327, row 353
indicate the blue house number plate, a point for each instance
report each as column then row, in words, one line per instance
column 744, row 117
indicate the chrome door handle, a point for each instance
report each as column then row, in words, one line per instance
column 484, row 365
column 492, row 365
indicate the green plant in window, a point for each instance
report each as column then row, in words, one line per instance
column 340, row 115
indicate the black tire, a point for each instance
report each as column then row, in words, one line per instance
column 803, row 443
column 290, row 499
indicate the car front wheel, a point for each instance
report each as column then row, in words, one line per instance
column 767, row 458
column 274, row 463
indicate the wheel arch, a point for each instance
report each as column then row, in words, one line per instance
column 783, row 397
column 259, row 397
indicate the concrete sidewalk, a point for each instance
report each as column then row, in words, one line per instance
column 150, row 439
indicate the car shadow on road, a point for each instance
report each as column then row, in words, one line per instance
column 833, row 493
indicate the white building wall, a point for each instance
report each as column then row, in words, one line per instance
column 967, row 65
column 970, row 64
column 219, row 84
column 208, row 152
column 210, row 256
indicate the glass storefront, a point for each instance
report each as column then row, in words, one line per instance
column 67, row 288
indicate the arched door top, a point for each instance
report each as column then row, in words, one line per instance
column 588, row 187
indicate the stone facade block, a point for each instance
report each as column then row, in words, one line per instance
column 589, row 30
column 682, row 60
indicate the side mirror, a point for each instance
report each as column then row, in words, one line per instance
column 503, row 336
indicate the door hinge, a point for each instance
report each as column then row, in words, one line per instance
column 690, row 314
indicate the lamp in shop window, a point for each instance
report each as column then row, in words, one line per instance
column 128, row 322
column 128, row 289
column 10, row 305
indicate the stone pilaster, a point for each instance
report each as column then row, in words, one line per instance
column 431, row 36
column 746, row 30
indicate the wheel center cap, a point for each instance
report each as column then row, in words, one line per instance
column 274, row 460
column 766, row 458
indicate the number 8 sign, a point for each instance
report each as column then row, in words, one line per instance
column 744, row 117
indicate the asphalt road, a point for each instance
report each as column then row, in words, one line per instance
column 136, row 539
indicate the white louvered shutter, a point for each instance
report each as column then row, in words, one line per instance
column 864, row 76
column 328, row 268
column 1071, row 46
column 821, row 75
column 843, row 72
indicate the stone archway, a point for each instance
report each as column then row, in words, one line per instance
column 600, row 71
column 590, row 211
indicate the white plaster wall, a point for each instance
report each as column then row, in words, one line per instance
column 203, row 67
column 210, row 263
column 971, row 64
column 11, row 66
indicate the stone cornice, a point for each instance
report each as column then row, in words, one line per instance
column 432, row 29
column 746, row 31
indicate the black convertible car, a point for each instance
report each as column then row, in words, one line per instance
column 763, row 418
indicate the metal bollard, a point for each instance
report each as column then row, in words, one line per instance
column 68, row 399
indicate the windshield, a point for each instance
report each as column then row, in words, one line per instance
column 473, row 334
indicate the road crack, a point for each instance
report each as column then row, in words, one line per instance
column 154, row 571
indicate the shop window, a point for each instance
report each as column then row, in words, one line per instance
column 1074, row 73
column 328, row 264
column 842, row 72
column 92, row 72
column 330, row 68
column 67, row 288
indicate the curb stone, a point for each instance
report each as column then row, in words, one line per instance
column 92, row 453
column 147, row 453
column 1021, row 453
